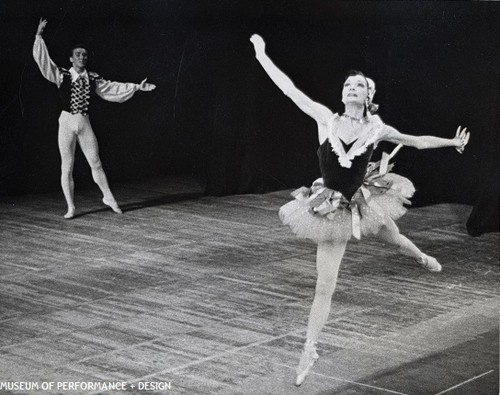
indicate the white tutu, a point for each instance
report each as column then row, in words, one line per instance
column 321, row 214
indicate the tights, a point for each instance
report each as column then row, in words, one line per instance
column 328, row 258
column 75, row 128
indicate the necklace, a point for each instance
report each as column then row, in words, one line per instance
column 359, row 120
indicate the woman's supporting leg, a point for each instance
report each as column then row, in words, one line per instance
column 90, row 148
column 328, row 258
column 390, row 234
column 67, row 145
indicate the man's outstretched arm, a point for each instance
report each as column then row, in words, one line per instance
column 120, row 91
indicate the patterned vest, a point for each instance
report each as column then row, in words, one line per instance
column 77, row 96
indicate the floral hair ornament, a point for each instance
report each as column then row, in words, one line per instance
column 371, row 107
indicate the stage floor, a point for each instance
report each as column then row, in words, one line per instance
column 210, row 295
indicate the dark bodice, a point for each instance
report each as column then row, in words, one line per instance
column 346, row 180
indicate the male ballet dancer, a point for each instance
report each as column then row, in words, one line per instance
column 77, row 90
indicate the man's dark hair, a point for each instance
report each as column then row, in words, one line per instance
column 79, row 45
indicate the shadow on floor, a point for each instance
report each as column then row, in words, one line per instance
column 167, row 199
column 467, row 368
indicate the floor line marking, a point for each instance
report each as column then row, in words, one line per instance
column 465, row 382
column 351, row 382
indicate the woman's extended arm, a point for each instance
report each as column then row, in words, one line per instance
column 426, row 142
column 317, row 111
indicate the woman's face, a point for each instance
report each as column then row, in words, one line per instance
column 355, row 90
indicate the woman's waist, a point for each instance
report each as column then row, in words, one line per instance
column 347, row 187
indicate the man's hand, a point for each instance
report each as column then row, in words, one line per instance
column 145, row 86
column 41, row 26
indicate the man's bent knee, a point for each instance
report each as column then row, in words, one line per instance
column 95, row 165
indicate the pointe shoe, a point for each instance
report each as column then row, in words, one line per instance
column 307, row 359
column 70, row 214
column 112, row 203
column 429, row 263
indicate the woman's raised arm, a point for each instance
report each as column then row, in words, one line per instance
column 317, row 111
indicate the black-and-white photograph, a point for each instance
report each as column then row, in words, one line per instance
column 249, row 197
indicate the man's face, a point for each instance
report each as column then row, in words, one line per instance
column 79, row 58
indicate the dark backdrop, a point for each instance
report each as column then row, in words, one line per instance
column 217, row 116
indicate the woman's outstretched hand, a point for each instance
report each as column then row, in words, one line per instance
column 146, row 86
column 461, row 139
column 258, row 43
column 41, row 26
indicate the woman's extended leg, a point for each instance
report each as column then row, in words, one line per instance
column 390, row 234
column 90, row 148
column 328, row 258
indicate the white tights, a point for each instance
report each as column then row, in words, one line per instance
column 328, row 258
column 75, row 128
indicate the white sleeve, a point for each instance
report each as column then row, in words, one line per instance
column 115, row 91
column 47, row 67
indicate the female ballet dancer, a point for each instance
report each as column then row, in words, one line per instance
column 354, row 197
column 77, row 88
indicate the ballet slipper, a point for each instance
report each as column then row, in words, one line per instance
column 70, row 214
column 429, row 263
column 112, row 203
column 307, row 359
